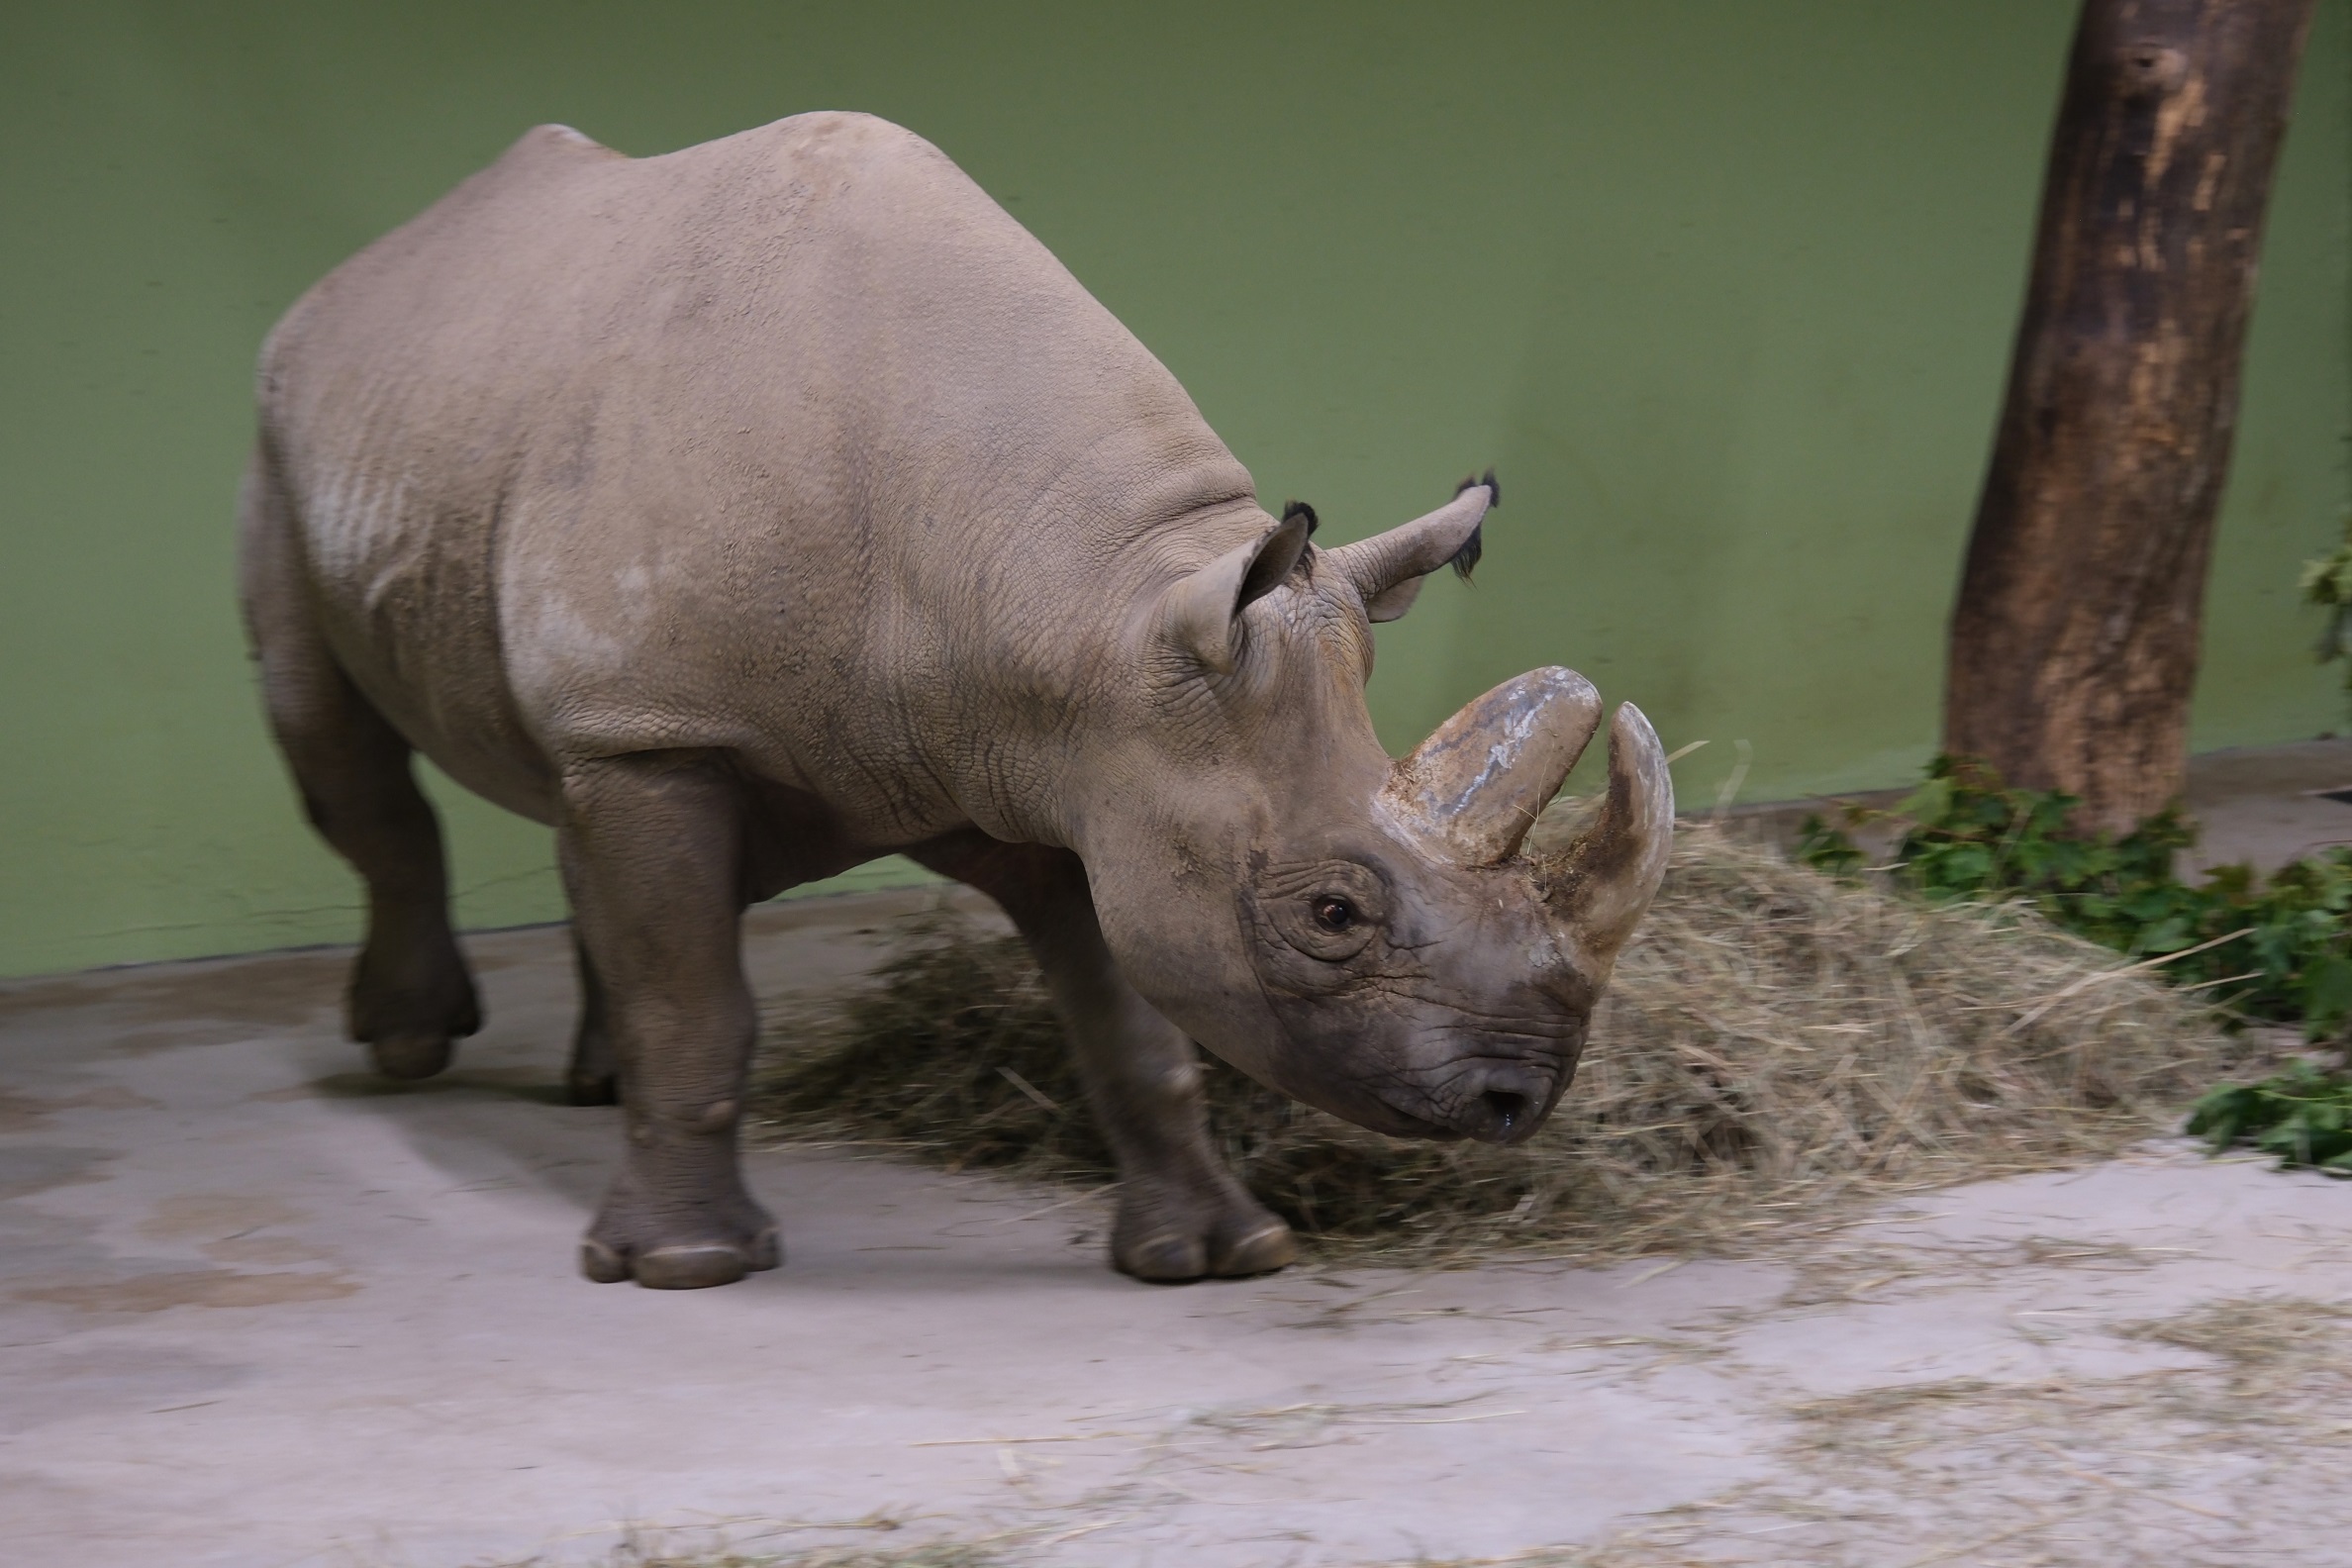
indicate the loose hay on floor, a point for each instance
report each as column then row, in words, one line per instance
column 1776, row 1046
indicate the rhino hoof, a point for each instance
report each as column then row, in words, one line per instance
column 691, row 1267
column 410, row 1056
column 1168, row 1258
column 601, row 1263
column 767, row 1251
column 1269, row 1247
column 1176, row 1257
column 695, row 1265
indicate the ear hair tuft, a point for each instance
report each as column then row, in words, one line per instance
column 1292, row 509
column 1494, row 489
column 1465, row 560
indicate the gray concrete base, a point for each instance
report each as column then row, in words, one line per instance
column 259, row 1308
column 2268, row 804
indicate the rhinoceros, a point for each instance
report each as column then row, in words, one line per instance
column 757, row 509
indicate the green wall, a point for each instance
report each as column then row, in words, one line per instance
column 1726, row 290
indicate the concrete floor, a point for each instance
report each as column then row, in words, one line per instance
column 2267, row 804
column 259, row 1308
column 256, row 1306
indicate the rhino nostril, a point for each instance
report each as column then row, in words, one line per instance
column 1508, row 1109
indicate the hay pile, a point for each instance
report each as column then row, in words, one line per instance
column 1776, row 1047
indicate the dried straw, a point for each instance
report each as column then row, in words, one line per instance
column 1776, row 1047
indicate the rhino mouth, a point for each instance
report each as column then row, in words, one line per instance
column 1394, row 1122
column 1495, row 1117
column 1505, row 1107
column 1498, row 1100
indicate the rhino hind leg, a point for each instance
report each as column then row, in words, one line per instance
column 410, row 998
column 652, row 855
column 410, row 994
column 1181, row 1213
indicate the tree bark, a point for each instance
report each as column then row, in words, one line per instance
column 2073, row 643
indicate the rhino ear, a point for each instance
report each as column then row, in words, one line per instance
column 1387, row 569
column 1203, row 613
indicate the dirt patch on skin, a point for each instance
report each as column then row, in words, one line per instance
column 149, row 1293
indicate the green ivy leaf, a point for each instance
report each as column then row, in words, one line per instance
column 2328, row 991
column 1929, row 805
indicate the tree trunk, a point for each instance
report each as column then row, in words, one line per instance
column 2075, row 639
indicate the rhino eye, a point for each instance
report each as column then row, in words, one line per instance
column 1329, row 910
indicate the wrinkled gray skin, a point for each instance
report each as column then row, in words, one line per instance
column 754, row 511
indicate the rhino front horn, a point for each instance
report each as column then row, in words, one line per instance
column 1607, row 875
column 1474, row 787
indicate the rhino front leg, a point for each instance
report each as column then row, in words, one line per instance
column 594, row 1077
column 652, row 857
column 1181, row 1213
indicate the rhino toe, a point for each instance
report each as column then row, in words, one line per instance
column 690, row 1267
column 602, row 1263
column 1262, row 1250
column 1165, row 1258
column 1169, row 1237
column 687, row 1265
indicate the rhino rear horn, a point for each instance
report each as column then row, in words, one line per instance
column 1387, row 569
column 1477, row 785
column 1608, row 873
column 1201, row 614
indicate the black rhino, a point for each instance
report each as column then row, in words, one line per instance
column 759, row 509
